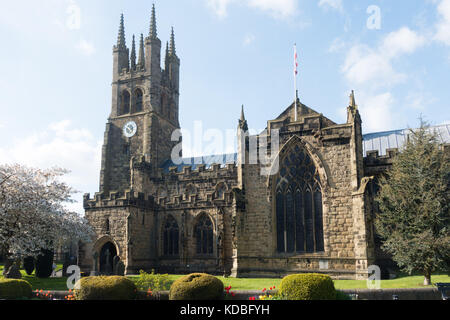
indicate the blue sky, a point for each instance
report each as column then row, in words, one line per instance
column 56, row 67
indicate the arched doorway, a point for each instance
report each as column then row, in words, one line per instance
column 107, row 254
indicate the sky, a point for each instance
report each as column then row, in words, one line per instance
column 56, row 68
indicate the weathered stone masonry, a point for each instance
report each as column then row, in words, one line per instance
column 313, row 215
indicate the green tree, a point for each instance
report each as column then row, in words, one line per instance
column 414, row 205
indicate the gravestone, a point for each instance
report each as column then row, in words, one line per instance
column 94, row 264
column 108, row 266
column 118, row 266
column 13, row 272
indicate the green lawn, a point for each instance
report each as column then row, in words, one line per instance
column 58, row 284
column 261, row 283
column 251, row 284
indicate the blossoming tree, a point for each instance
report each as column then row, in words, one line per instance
column 32, row 212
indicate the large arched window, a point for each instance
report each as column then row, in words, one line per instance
column 138, row 100
column 124, row 103
column 204, row 235
column 298, row 204
column 171, row 237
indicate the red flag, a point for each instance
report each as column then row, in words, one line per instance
column 295, row 61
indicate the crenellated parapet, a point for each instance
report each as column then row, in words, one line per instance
column 200, row 187
column 118, row 199
column 375, row 164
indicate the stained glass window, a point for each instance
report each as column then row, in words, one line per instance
column 171, row 237
column 299, row 212
column 124, row 103
column 138, row 100
column 204, row 236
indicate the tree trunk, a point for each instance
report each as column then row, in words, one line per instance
column 427, row 279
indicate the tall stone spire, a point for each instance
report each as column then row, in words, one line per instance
column 133, row 54
column 121, row 37
column 242, row 122
column 141, row 61
column 172, row 49
column 153, row 32
column 167, row 57
column 352, row 110
column 352, row 102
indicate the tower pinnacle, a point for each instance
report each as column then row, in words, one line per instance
column 352, row 100
column 141, row 61
column 133, row 54
column 242, row 122
column 153, row 32
column 121, row 37
column 167, row 56
column 172, row 44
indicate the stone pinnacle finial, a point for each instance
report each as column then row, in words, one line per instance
column 121, row 37
column 153, row 32
column 133, row 54
column 172, row 44
column 141, row 61
column 167, row 56
column 242, row 114
column 352, row 100
column 242, row 122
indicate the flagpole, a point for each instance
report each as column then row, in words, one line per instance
column 295, row 80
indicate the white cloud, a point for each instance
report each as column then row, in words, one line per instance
column 365, row 65
column 332, row 4
column 63, row 146
column 377, row 111
column 276, row 8
column 402, row 41
column 219, row 6
column 249, row 39
column 85, row 47
column 337, row 45
column 443, row 26
column 371, row 70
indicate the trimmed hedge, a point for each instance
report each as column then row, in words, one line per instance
column 13, row 289
column 197, row 286
column 309, row 286
column 105, row 288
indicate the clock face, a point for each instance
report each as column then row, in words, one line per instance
column 130, row 129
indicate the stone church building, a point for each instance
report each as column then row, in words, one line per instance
column 220, row 214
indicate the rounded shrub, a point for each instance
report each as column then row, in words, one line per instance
column 105, row 288
column 13, row 289
column 307, row 287
column 197, row 286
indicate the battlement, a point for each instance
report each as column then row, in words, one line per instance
column 202, row 171
column 130, row 74
column 373, row 158
column 117, row 199
column 198, row 200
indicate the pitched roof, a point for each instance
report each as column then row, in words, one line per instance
column 378, row 141
column 194, row 162
column 381, row 141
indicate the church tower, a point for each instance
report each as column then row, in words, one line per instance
column 145, row 108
